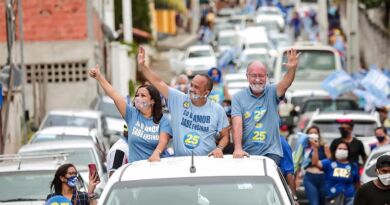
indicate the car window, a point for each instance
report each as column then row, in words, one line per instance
column 63, row 120
column 360, row 128
column 51, row 137
column 109, row 109
column 371, row 165
column 313, row 65
column 195, row 191
column 198, row 54
column 258, row 45
column 227, row 40
column 329, row 105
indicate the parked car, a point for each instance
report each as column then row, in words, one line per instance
column 272, row 15
column 79, row 152
column 114, row 119
column 249, row 55
column 235, row 82
column 218, row 181
column 26, row 179
column 79, row 118
column 199, row 59
column 51, row 134
column 369, row 171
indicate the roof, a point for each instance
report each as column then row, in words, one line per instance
column 81, row 113
column 57, row 145
column 177, row 167
column 79, row 131
column 353, row 115
column 13, row 163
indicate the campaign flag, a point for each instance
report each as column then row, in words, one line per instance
column 300, row 146
column 377, row 84
column 337, row 83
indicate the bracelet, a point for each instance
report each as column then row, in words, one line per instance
column 158, row 151
column 220, row 147
column 91, row 195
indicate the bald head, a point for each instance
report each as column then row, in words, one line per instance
column 256, row 66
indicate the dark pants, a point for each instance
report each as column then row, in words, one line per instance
column 315, row 188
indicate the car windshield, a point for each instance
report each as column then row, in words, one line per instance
column 329, row 105
column 109, row 110
column 200, row 53
column 33, row 185
column 64, row 120
column 258, row 45
column 52, row 137
column 313, row 65
column 227, row 41
column 196, row 191
column 360, row 128
column 269, row 12
column 78, row 157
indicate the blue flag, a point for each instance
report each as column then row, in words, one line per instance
column 378, row 85
column 300, row 146
column 337, row 83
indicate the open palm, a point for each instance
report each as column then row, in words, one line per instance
column 292, row 59
column 141, row 57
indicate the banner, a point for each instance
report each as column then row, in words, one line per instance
column 337, row 83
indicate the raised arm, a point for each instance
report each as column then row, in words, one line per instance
column 119, row 101
column 315, row 159
column 237, row 137
column 150, row 75
column 288, row 78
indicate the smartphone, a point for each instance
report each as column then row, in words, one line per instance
column 93, row 172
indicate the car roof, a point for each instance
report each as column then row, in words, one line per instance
column 80, row 113
column 31, row 162
column 224, row 33
column 63, row 130
column 199, row 48
column 353, row 115
column 318, row 47
column 57, row 145
column 179, row 167
column 254, row 51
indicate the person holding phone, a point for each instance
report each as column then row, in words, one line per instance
column 150, row 130
column 65, row 184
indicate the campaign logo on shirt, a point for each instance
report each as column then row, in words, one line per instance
column 259, row 135
column 186, row 104
column 247, row 115
column 146, row 132
column 191, row 140
column 342, row 172
column 214, row 98
column 259, row 113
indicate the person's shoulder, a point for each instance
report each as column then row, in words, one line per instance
column 367, row 186
column 240, row 93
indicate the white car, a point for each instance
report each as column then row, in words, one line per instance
column 316, row 62
column 199, row 59
column 249, row 55
column 78, row 118
column 235, row 82
column 79, row 152
column 25, row 180
column 51, row 134
column 218, row 181
column 271, row 15
column 369, row 171
column 228, row 39
column 363, row 129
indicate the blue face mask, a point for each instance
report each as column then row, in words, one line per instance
column 215, row 79
column 72, row 181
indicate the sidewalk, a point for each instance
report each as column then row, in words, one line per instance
column 180, row 42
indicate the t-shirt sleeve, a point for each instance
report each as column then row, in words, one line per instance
column 362, row 153
column 129, row 112
column 165, row 126
column 236, row 105
column 174, row 98
column 224, row 122
column 326, row 165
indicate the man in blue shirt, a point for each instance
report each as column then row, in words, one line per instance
column 196, row 121
column 255, row 111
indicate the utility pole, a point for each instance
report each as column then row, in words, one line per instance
column 127, row 21
column 323, row 21
column 195, row 16
column 352, row 36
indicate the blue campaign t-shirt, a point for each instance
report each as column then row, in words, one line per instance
column 217, row 95
column 143, row 134
column 260, row 121
column 286, row 163
column 340, row 178
column 194, row 128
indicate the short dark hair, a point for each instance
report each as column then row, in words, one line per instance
column 333, row 152
column 227, row 101
column 209, row 84
column 381, row 128
column 56, row 184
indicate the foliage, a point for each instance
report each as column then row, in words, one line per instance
column 178, row 5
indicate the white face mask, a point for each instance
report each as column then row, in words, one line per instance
column 341, row 154
column 194, row 96
column 141, row 104
column 384, row 178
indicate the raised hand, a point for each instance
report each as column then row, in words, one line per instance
column 141, row 57
column 94, row 72
column 292, row 56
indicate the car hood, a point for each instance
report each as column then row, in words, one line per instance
column 115, row 124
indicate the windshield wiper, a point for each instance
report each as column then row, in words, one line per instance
column 22, row 199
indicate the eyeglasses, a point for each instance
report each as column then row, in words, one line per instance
column 255, row 75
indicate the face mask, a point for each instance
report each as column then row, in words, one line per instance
column 141, row 104
column 344, row 132
column 341, row 154
column 215, row 79
column 257, row 88
column 314, row 137
column 380, row 138
column 194, row 96
column 227, row 109
column 72, row 181
column 385, row 179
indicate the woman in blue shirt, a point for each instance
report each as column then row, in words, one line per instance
column 148, row 129
column 341, row 175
